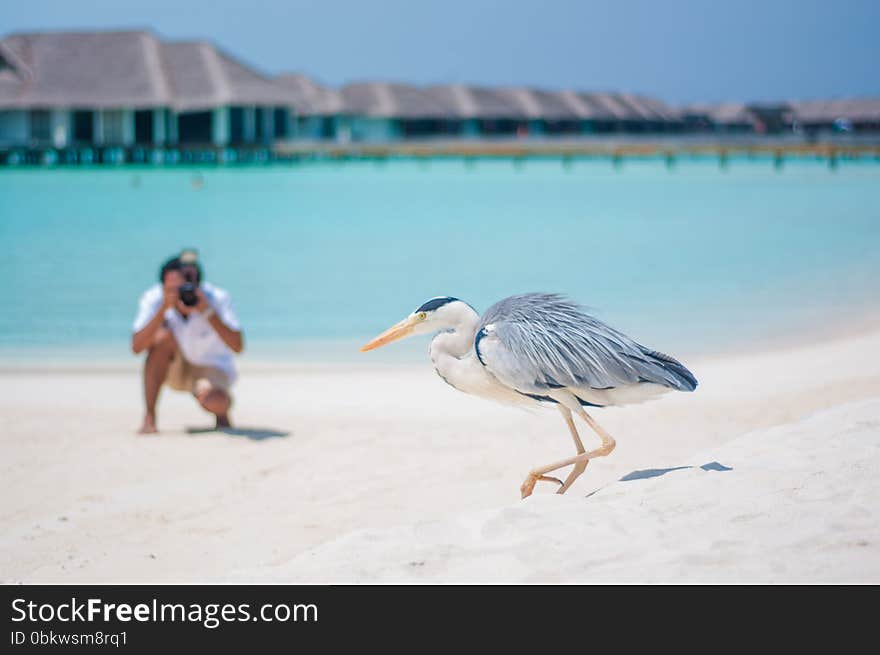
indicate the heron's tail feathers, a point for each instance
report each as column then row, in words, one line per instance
column 679, row 372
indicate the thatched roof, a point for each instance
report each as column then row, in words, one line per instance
column 596, row 106
column 607, row 106
column 856, row 110
column 201, row 77
column 465, row 101
column 389, row 100
column 651, row 108
column 583, row 106
column 625, row 107
column 14, row 74
column 521, row 103
column 308, row 98
column 537, row 104
column 727, row 113
column 102, row 69
column 124, row 69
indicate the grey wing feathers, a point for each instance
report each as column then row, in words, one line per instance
column 689, row 382
column 538, row 341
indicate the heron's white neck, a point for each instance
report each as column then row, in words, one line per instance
column 457, row 338
column 455, row 360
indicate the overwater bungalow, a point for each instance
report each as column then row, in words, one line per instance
column 125, row 89
column 316, row 112
column 595, row 116
column 545, row 112
column 522, row 111
column 772, row 117
column 855, row 115
column 384, row 111
column 728, row 117
column 622, row 112
column 840, row 115
column 654, row 115
column 479, row 111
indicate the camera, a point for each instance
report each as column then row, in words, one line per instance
column 187, row 293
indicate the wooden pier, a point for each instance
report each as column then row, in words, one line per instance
column 669, row 150
column 617, row 151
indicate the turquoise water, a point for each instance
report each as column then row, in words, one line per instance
column 334, row 252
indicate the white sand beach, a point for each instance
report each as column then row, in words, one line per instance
column 769, row 472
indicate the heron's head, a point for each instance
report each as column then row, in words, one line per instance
column 436, row 314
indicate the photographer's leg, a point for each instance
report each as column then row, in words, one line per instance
column 156, row 366
column 217, row 402
column 211, row 390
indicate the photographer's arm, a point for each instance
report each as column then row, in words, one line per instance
column 140, row 341
column 143, row 338
column 232, row 338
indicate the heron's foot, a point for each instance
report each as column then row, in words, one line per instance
column 579, row 468
column 529, row 485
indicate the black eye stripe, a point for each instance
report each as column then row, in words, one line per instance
column 434, row 303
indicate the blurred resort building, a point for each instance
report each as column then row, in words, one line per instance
column 126, row 94
column 127, row 88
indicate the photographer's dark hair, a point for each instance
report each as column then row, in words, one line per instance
column 172, row 264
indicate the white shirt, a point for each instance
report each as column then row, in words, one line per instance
column 198, row 342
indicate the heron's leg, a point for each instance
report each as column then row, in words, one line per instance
column 579, row 467
column 566, row 413
column 608, row 442
column 605, row 449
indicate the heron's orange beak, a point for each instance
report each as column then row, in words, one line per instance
column 395, row 332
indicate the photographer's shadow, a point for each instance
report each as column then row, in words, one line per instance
column 255, row 434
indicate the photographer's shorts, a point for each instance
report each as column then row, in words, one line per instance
column 184, row 376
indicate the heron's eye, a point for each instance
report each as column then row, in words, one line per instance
column 422, row 316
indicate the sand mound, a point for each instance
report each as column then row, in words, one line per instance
column 796, row 503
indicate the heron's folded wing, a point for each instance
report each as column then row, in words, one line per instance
column 535, row 342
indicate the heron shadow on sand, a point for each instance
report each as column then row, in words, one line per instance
column 254, row 434
column 644, row 474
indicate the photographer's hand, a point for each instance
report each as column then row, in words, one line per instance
column 171, row 296
column 143, row 339
column 202, row 304
column 183, row 309
column 198, row 308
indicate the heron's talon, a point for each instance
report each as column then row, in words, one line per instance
column 529, row 485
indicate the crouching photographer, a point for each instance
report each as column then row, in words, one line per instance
column 191, row 334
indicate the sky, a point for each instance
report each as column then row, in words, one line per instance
column 681, row 51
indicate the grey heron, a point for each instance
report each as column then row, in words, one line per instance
column 539, row 348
